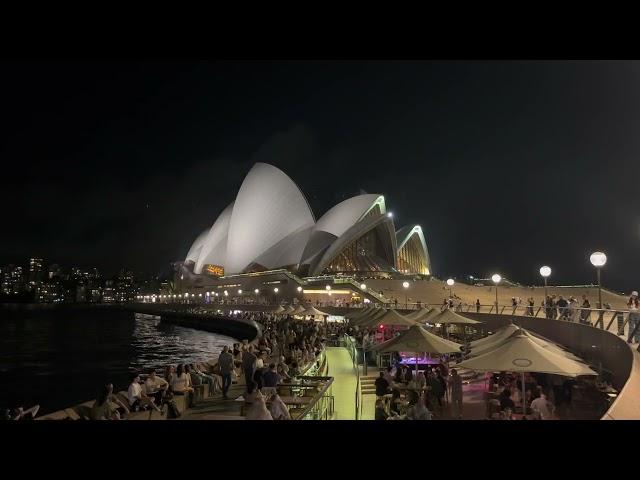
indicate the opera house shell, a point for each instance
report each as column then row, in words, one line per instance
column 271, row 226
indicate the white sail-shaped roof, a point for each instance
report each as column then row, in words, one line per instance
column 196, row 247
column 341, row 217
column 269, row 208
column 214, row 247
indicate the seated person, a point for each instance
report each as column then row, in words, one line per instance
column 419, row 411
column 180, row 384
column 251, row 393
column 137, row 398
column 258, row 409
column 20, row 413
column 381, row 412
column 155, row 387
column 277, row 408
column 294, row 371
column 106, row 405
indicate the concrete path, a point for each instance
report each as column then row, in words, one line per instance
column 345, row 382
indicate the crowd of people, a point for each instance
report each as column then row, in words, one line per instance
column 284, row 347
column 424, row 393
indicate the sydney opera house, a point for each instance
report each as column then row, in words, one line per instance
column 270, row 228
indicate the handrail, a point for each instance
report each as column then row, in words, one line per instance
column 350, row 345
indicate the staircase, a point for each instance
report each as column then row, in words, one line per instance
column 368, row 383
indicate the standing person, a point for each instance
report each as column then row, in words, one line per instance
column 478, row 305
column 225, row 364
column 455, row 383
column 585, row 314
column 634, row 316
column 562, row 307
column 543, row 407
column 248, row 364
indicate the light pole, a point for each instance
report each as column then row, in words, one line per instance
column 496, row 279
column 256, row 291
column 545, row 272
column 450, row 282
column 406, row 299
column 275, row 290
column 598, row 259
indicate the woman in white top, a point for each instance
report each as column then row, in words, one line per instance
column 180, row 382
column 258, row 409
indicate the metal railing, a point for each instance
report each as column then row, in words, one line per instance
column 350, row 344
column 602, row 318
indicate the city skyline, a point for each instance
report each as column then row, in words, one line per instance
column 508, row 166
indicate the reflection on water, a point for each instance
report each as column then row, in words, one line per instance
column 58, row 359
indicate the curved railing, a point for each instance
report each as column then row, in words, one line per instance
column 606, row 351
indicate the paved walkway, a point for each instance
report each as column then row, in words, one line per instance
column 345, row 382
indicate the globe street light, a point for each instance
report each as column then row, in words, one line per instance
column 598, row 259
column 496, row 279
column 545, row 272
column 406, row 300
column 450, row 282
column 275, row 290
column 363, row 286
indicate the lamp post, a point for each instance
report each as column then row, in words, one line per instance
column 450, row 282
column 257, row 292
column 598, row 259
column 275, row 291
column 545, row 272
column 496, row 279
column 406, row 299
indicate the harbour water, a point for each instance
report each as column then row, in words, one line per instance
column 58, row 358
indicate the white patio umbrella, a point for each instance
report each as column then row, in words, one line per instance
column 548, row 344
column 418, row 314
column 278, row 310
column 500, row 334
column 418, row 340
column 521, row 354
column 359, row 313
column 298, row 310
column 313, row 311
column 375, row 313
column 390, row 318
column 448, row 316
column 429, row 316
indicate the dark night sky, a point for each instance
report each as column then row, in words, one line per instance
column 506, row 165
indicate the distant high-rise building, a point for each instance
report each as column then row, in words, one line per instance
column 55, row 271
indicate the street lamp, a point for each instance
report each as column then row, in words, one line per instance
column 299, row 289
column 275, row 290
column 450, row 282
column 406, row 299
column 545, row 272
column 496, row 279
column 363, row 286
column 598, row 259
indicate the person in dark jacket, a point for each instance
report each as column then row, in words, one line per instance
column 382, row 386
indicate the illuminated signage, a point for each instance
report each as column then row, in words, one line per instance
column 214, row 270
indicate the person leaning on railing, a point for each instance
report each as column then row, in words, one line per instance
column 634, row 316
